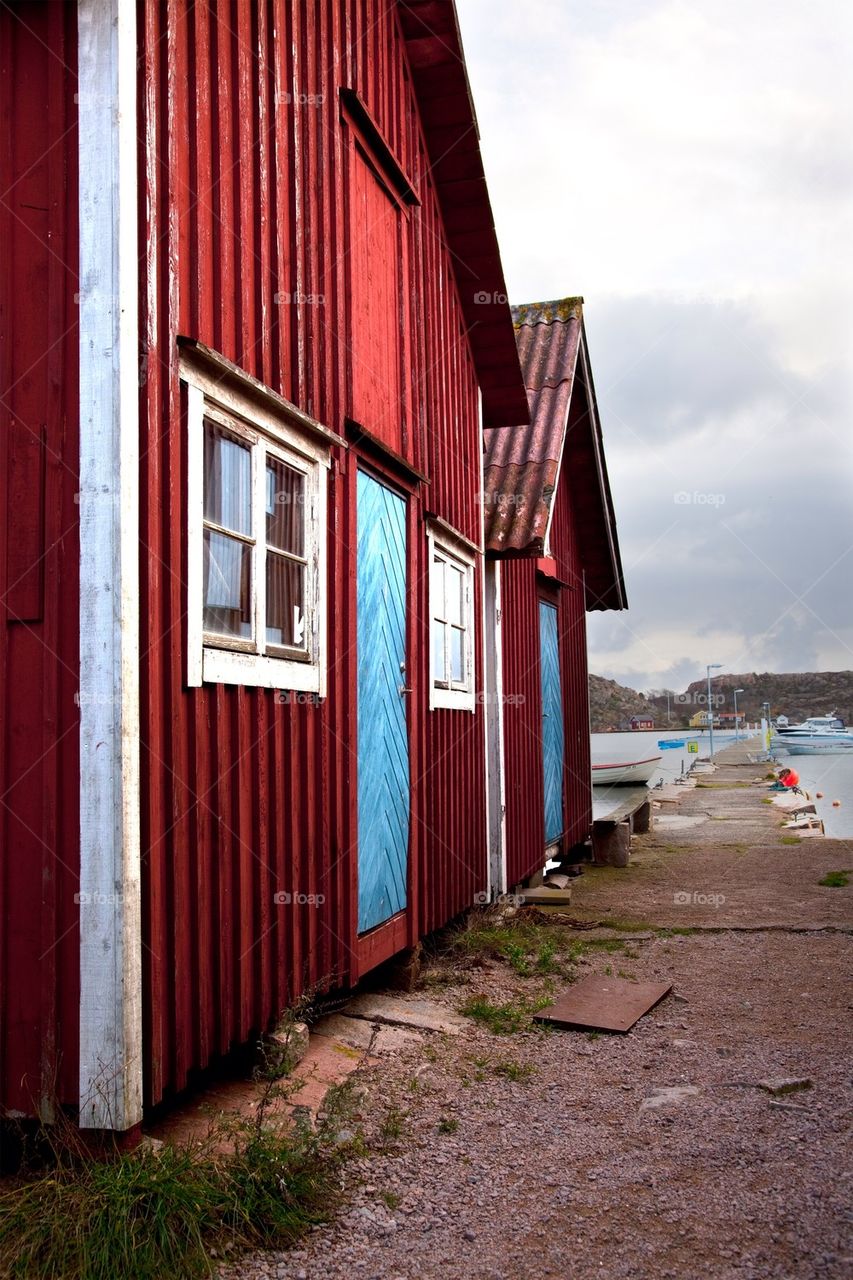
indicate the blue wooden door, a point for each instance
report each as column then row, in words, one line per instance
column 553, row 748
column 383, row 744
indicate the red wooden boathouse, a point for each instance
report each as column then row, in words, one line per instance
column 252, row 323
column 552, row 550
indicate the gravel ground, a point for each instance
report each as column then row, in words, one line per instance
column 564, row 1171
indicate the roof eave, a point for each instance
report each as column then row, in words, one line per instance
column 440, row 78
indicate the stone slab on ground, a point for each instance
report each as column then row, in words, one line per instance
column 785, row 1084
column 667, row 1095
column 424, row 1015
column 325, row 1064
column 547, row 895
column 359, row 1033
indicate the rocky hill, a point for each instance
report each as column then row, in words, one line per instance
column 796, row 694
column 611, row 705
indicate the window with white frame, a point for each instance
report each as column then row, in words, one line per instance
column 451, row 624
column 256, row 524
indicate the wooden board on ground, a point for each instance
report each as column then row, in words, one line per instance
column 604, row 1004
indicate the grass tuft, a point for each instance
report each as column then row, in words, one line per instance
column 170, row 1210
column 836, row 879
column 505, row 1019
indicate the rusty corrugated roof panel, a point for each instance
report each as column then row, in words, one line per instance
column 521, row 463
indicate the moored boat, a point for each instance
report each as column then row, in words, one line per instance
column 823, row 744
column 812, row 724
column 624, row 772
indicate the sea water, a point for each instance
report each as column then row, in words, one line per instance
column 831, row 775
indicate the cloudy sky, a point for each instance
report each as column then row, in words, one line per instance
column 688, row 168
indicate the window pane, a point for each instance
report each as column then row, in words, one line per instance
column 285, row 602
column 436, row 588
column 439, row 671
column 457, row 668
column 227, row 480
column 227, row 585
column 285, row 507
column 455, row 588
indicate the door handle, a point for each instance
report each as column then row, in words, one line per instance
column 405, row 688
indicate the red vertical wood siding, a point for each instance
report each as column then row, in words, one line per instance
column 377, row 310
column 39, row 717
column 565, row 547
column 522, row 690
column 520, row 593
column 246, row 245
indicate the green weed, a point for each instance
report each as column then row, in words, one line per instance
column 836, row 879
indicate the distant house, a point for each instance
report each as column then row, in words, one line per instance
column 699, row 720
column 644, row 721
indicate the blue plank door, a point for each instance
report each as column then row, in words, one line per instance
column 383, row 743
column 553, row 748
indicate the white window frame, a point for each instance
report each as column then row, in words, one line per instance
column 459, row 696
column 220, row 659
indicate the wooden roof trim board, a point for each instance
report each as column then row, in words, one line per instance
column 223, row 371
column 437, row 63
column 379, row 149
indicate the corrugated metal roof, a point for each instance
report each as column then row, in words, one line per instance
column 521, row 463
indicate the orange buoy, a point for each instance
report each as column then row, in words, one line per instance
column 818, row 795
column 836, row 804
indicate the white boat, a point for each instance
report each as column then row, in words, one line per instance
column 812, row 724
column 814, row 744
column 816, row 736
column 624, row 772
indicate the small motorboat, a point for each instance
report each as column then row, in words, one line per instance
column 812, row 725
column 624, row 772
column 814, row 744
column 816, row 736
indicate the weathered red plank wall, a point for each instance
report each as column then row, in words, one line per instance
column 454, row 782
column 244, row 238
column 522, row 691
column 520, row 593
column 573, row 664
column 39, row 717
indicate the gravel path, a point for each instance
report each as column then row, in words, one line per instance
column 539, row 1154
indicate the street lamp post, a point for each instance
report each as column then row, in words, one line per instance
column 736, row 692
column 711, row 666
